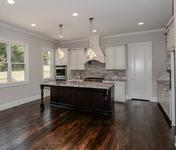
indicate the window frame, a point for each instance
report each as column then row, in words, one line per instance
column 9, row 64
column 51, row 65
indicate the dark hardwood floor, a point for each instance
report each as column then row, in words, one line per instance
column 134, row 126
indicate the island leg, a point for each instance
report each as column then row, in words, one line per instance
column 42, row 101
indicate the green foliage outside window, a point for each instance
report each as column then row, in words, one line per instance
column 3, row 57
column 46, row 57
column 17, row 57
column 17, row 53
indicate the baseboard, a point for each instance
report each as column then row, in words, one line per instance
column 154, row 99
column 21, row 101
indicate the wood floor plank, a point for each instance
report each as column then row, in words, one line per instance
column 134, row 126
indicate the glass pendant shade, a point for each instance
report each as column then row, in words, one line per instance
column 60, row 50
column 91, row 53
column 61, row 53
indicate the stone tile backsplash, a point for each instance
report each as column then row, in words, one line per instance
column 98, row 70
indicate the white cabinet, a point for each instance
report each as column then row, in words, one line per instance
column 170, row 34
column 76, row 59
column 119, row 91
column 63, row 61
column 164, row 98
column 115, row 57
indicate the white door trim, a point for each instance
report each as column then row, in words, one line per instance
column 150, row 70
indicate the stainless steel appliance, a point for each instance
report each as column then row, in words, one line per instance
column 61, row 72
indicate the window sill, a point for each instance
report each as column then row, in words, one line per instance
column 14, row 84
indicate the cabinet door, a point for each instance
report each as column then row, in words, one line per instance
column 77, row 59
column 167, row 104
column 119, row 60
column 120, row 91
column 81, row 59
column 109, row 58
column 115, row 57
column 73, row 60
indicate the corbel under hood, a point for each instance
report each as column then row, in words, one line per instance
column 94, row 43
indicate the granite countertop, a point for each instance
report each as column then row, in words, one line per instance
column 115, row 79
column 165, row 83
column 80, row 84
column 164, row 80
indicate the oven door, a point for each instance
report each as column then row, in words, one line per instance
column 61, row 73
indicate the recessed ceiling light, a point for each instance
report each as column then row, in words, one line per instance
column 11, row 1
column 75, row 14
column 61, row 36
column 140, row 23
column 94, row 31
column 33, row 25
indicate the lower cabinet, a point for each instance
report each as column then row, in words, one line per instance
column 119, row 91
column 164, row 98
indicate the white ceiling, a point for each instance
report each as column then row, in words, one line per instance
column 111, row 16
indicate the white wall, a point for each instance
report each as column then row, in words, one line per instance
column 158, row 54
column 9, row 95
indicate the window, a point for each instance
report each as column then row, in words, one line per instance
column 3, row 63
column 13, row 62
column 47, row 64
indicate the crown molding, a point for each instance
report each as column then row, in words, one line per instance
column 133, row 33
column 116, row 35
column 75, row 41
column 15, row 28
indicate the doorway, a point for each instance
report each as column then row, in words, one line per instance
column 140, row 70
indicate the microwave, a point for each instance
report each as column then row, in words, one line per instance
column 61, row 72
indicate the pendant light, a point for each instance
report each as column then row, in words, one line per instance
column 60, row 49
column 91, row 53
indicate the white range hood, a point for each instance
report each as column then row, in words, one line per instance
column 94, row 43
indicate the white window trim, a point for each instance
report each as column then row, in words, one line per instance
column 26, row 62
column 52, row 64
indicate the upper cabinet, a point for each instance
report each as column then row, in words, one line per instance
column 61, row 61
column 115, row 57
column 170, row 36
column 76, row 59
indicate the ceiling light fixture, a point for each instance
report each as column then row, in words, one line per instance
column 33, row 25
column 140, row 23
column 11, row 1
column 60, row 50
column 75, row 14
column 94, row 31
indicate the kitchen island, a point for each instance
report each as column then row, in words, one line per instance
column 95, row 97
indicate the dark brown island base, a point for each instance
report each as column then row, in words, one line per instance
column 85, row 96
